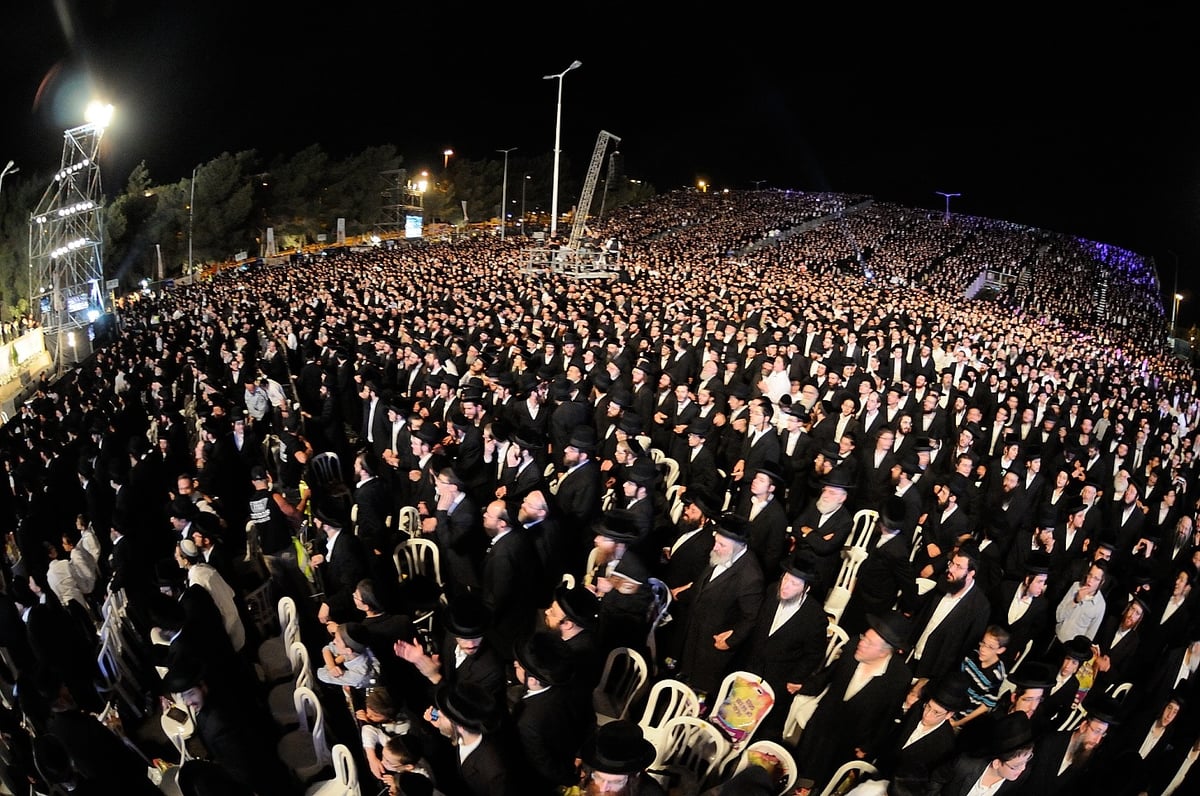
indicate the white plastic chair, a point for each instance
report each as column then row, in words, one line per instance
column 864, row 524
column 918, row 538
column 418, row 556
column 689, row 748
column 1021, row 658
column 667, row 699
column 839, row 595
column 1119, row 690
column 924, row 585
column 861, row 770
column 672, row 471
column 1073, row 719
column 786, row 761
column 621, row 683
column 837, row 639
column 280, row 698
column 739, row 736
column 273, row 652
column 410, row 521
column 660, row 613
column 304, row 750
column 345, row 776
column 327, row 468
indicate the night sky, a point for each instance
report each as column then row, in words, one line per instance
column 1087, row 127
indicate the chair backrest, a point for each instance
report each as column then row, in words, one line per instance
column 918, row 538
column 864, row 523
column 742, row 702
column 764, row 751
column 418, row 556
column 656, row 455
column 289, row 622
column 667, row 699
column 837, row 639
column 1073, row 719
column 410, row 520
column 621, row 683
column 301, row 664
column 327, row 468
column 672, row 471
column 1119, row 691
column 859, row 769
column 312, row 719
column 692, row 744
column 345, row 772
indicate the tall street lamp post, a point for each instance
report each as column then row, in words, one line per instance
column 557, row 142
column 524, row 182
column 504, row 192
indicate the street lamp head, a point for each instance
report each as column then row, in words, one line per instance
column 1179, row 297
column 574, row 65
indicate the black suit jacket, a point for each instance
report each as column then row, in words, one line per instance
column 511, row 579
column 730, row 602
column 341, row 574
column 794, row 652
column 884, row 577
column 549, row 737
column 954, row 637
column 375, row 504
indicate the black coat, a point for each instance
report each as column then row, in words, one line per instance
column 510, row 583
column 730, row 602
column 792, row 654
column 839, row 726
column 549, row 738
column 954, row 637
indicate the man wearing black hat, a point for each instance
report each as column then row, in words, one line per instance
column 548, row 731
column 885, row 575
column 470, row 716
column 342, row 562
column 465, row 654
column 823, row 527
column 698, row 466
column 1023, row 607
column 854, row 716
column 615, row 759
column 922, row 741
column 510, row 578
column 1061, row 759
column 577, row 500
column 953, row 618
column 766, row 515
column 721, row 606
column 573, row 615
column 1117, row 645
column 1000, row 767
column 787, row 645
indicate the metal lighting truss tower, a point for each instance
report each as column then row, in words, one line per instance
column 66, row 274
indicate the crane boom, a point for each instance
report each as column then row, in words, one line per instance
column 589, row 188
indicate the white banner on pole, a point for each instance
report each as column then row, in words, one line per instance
column 341, row 234
column 271, row 252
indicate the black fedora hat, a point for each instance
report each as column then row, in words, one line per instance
column 703, row 503
column 643, row 472
column 546, row 657
column 618, row 525
column 583, row 438
column 801, row 566
column 951, row 692
column 771, row 471
column 733, row 526
column 1079, row 648
column 618, row 747
column 469, row 705
column 838, row 478
column 1012, row 731
column 893, row 512
column 892, row 627
column 579, row 604
column 1033, row 674
column 467, row 617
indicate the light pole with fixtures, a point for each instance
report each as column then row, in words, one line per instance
column 446, row 155
column 524, row 182
column 504, row 191
column 557, row 141
column 948, row 196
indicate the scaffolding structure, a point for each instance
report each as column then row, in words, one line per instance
column 400, row 200
column 66, row 271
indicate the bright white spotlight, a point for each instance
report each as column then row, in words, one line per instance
column 99, row 114
column 92, row 315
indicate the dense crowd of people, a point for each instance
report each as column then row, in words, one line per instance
column 694, row 444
